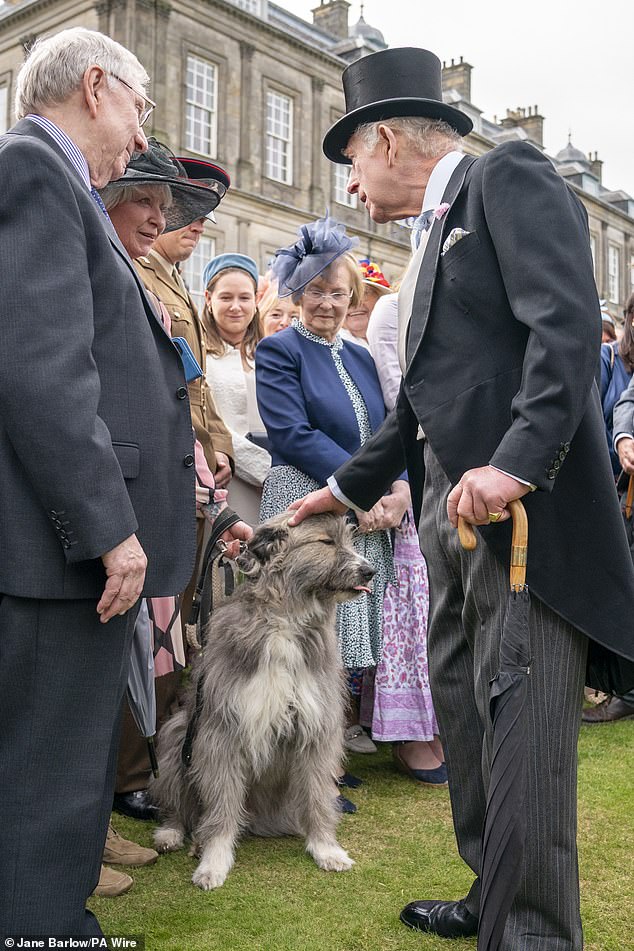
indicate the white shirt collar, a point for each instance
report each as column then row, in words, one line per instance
column 439, row 179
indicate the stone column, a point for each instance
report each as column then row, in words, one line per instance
column 318, row 160
column 245, row 163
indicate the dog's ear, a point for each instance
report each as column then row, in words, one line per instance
column 264, row 545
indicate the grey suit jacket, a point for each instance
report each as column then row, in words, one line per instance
column 95, row 432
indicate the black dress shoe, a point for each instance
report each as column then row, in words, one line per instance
column 447, row 919
column 345, row 805
column 136, row 805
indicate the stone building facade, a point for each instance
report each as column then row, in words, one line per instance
column 253, row 87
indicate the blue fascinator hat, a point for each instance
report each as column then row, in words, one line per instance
column 320, row 243
column 224, row 261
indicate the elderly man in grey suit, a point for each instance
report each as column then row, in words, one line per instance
column 96, row 467
column 499, row 339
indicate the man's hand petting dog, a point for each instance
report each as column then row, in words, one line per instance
column 314, row 504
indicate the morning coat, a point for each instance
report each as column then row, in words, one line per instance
column 502, row 355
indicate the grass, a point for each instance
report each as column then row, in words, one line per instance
column 276, row 899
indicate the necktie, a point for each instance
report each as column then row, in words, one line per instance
column 95, row 194
column 422, row 223
column 178, row 280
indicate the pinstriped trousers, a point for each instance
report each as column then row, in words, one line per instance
column 468, row 596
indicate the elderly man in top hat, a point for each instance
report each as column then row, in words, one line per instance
column 89, row 413
column 499, row 339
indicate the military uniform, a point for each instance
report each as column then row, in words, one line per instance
column 158, row 276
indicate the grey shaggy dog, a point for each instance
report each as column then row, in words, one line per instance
column 269, row 739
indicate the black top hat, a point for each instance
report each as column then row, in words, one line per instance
column 403, row 81
column 159, row 166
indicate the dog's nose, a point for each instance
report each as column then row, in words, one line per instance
column 366, row 570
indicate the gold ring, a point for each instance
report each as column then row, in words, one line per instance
column 494, row 516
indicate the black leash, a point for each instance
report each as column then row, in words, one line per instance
column 225, row 520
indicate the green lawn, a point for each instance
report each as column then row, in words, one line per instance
column 276, row 899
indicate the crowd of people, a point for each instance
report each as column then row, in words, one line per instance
column 129, row 420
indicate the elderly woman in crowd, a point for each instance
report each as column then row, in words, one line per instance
column 320, row 399
column 375, row 286
column 232, row 326
column 276, row 313
column 154, row 196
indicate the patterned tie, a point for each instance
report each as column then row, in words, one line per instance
column 422, row 223
column 95, row 194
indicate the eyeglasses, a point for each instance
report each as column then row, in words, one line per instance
column 144, row 112
column 318, row 297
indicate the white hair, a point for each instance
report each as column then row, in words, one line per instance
column 429, row 137
column 56, row 64
column 113, row 195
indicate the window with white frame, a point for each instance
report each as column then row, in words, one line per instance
column 279, row 137
column 201, row 106
column 4, row 108
column 614, row 273
column 251, row 6
column 342, row 195
column 193, row 269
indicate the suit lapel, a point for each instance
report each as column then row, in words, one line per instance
column 119, row 248
column 421, row 303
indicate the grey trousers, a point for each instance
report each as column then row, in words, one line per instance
column 62, row 679
column 468, row 595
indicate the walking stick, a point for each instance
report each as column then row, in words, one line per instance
column 504, row 829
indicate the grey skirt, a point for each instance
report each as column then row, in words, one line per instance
column 360, row 621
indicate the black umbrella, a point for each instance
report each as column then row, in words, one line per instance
column 504, row 832
column 141, row 689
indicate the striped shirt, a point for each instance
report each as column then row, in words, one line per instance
column 68, row 147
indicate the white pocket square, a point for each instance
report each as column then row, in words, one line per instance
column 452, row 238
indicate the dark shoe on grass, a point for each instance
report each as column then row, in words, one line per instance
column 608, row 711
column 345, row 805
column 136, row 805
column 447, row 919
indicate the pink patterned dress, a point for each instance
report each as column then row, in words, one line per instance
column 399, row 684
column 396, row 700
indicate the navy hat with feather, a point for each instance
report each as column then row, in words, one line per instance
column 320, row 243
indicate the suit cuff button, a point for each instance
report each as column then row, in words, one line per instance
column 188, row 461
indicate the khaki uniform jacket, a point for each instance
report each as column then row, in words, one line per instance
column 210, row 429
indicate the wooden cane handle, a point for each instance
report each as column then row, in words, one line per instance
column 519, row 542
column 466, row 534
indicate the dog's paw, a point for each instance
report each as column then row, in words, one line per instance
column 331, row 858
column 167, row 839
column 207, row 878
